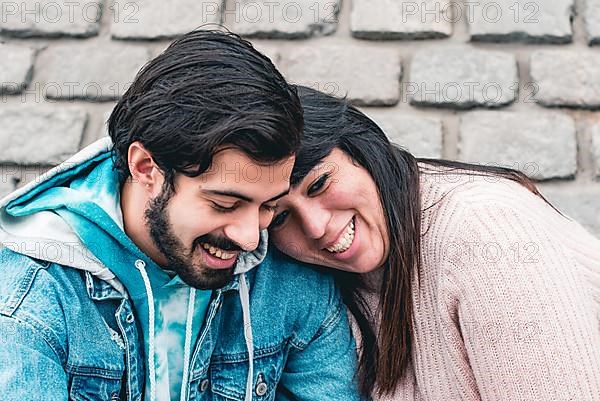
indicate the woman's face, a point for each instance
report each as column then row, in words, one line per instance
column 333, row 218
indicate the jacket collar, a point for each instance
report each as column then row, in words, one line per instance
column 100, row 290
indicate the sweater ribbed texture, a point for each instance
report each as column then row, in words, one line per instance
column 508, row 303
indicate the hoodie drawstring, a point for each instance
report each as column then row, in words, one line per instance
column 141, row 266
column 188, row 343
column 245, row 300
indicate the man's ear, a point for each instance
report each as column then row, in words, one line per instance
column 142, row 167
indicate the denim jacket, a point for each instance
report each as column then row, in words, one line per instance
column 69, row 330
column 65, row 334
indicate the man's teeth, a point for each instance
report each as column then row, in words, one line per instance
column 219, row 253
column 345, row 240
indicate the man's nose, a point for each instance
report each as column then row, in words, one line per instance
column 245, row 231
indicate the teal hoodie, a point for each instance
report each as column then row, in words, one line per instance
column 75, row 207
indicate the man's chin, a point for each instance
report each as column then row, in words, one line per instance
column 208, row 279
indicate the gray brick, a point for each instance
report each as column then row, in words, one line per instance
column 149, row 19
column 287, row 19
column 401, row 19
column 592, row 21
column 462, row 77
column 580, row 204
column 527, row 141
column 8, row 179
column 26, row 174
column 520, row 20
column 596, row 148
column 566, row 78
column 98, row 72
column 369, row 76
column 16, row 67
column 50, row 18
column 15, row 176
column 421, row 136
column 269, row 50
column 39, row 135
column 104, row 125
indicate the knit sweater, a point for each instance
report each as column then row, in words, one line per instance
column 507, row 307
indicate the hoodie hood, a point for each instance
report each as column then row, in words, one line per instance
column 71, row 216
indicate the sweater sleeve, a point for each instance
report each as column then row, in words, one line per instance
column 523, row 311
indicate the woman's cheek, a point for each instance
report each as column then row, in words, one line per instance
column 295, row 247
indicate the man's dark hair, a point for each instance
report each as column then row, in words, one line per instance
column 207, row 90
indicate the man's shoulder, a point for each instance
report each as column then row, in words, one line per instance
column 34, row 292
column 37, row 289
column 49, row 303
column 18, row 272
column 279, row 272
column 303, row 298
column 34, row 283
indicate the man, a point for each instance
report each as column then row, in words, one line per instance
column 138, row 268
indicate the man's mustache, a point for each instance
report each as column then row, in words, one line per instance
column 218, row 242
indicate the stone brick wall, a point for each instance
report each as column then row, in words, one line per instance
column 501, row 82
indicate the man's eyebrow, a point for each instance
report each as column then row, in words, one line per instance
column 235, row 194
column 281, row 195
column 232, row 194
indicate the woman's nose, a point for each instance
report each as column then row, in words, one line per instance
column 314, row 221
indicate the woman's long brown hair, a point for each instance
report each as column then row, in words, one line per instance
column 332, row 123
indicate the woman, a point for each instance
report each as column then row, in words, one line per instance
column 465, row 283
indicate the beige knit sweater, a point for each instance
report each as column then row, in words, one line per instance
column 508, row 304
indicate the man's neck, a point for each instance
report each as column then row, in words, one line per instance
column 133, row 206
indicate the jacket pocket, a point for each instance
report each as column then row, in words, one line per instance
column 229, row 374
column 101, row 387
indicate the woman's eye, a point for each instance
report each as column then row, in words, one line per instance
column 278, row 220
column 318, row 185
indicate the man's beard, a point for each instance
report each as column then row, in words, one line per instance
column 180, row 261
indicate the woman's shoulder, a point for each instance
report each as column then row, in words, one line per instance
column 461, row 205
column 450, row 195
column 470, row 188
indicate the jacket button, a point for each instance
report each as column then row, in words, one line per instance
column 261, row 389
column 204, row 385
column 130, row 318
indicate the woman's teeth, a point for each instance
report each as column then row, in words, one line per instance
column 345, row 240
column 219, row 253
